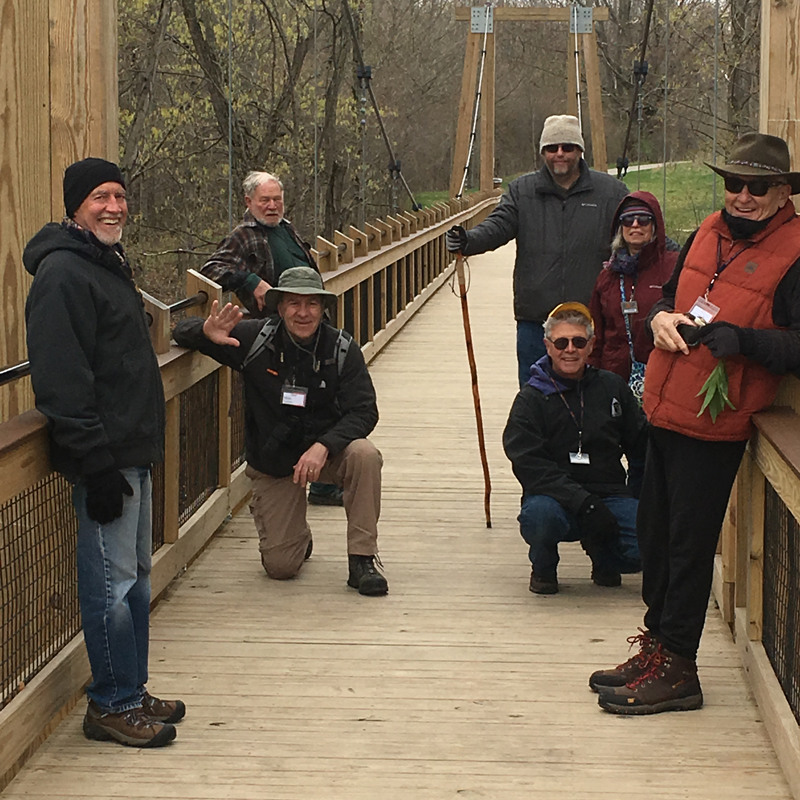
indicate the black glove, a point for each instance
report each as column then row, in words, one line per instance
column 689, row 333
column 104, row 492
column 721, row 338
column 456, row 239
column 599, row 527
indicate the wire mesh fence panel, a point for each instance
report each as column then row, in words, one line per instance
column 781, row 595
column 237, row 420
column 199, row 445
column 39, row 611
column 158, row 505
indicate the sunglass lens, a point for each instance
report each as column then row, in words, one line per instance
column 565, row 148
column 578, row 342
column 628, row 219
column 758, row 187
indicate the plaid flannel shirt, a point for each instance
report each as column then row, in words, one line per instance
column 246, row 252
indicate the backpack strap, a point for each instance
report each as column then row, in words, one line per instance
column 343, row 342
column 264, row 337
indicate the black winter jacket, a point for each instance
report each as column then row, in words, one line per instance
column 94, row 372
column 540, row 434
column 339, row 408
column 562, row 237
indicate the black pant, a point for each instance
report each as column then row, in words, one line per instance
column 685, row 491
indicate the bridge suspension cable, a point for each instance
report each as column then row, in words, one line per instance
column 394, row 164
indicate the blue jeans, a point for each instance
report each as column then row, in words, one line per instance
column 530, row 347
column 544, row 523
column 114, row 593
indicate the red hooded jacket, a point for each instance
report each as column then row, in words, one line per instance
column 656, row 264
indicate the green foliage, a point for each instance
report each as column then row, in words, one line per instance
column 715, row 392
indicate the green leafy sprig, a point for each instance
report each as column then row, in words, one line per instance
column 716, row 392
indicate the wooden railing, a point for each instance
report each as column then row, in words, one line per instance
column 757, row 575
column 382, row 276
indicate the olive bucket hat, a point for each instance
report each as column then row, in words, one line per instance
column 760, row 155
column 298, row 280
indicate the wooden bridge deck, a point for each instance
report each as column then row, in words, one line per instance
column 460, row 683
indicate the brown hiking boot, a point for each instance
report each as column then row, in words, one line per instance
column 133, row 727
column 163, row 710
column 669, row 683
column 631, row 669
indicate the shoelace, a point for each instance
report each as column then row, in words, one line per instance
column 643, row 639
column 651, row 667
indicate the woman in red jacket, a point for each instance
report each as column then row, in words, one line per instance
column 628, row 287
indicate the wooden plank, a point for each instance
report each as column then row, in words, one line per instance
column 523, row 14
column 225, row 382
column 594, row 92
column 572, row 76
column 488, row 117
column 326, row 255
column 197, row 282
column 755, row 585
column 466, row 104
column 24, row 454
column 345, row 247
column 386, row 232
column 360, row 241
column 160, row 333
column 24, row 174
column 370, row 309
column 172, row 470
column 744, row 528
column 374, row 236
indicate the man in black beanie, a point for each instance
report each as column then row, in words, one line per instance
column 97, row 380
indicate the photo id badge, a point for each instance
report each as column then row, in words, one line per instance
column 703, row 310
column 579, row 458
column 294, row 396
column 630, row 307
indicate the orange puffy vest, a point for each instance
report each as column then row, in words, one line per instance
column 744, row 292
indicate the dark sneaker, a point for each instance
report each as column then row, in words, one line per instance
column 546, row 584
column 133, row 728
column 163, row 710
column 309, row 550
column 325, row 494
column 601, row 577
column 605, row 679
column 669, row 683
column 365, row 577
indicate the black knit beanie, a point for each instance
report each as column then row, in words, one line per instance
column 82, row 177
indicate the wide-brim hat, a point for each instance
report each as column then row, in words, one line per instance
column 298, row 280
column 578, row 308
column 760, row 155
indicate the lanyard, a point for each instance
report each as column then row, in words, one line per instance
column 578, row 425
column 722, row 264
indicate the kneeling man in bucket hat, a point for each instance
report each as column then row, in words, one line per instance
column 310, row 405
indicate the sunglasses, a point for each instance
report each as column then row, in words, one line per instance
column 757, row 187
column 627, row 220
column 562, row 343
column 566, row 148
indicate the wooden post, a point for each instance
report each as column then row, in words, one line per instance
column 779, row 106
column 469, row 80
column 348, row 252
column 755, row 589
column 160, row 334
column 374, row 237
column 330, row 260
column 370, row 308
column 360, row 241
column 172, row 469
column 599, row 153
column 386, row 232
column 572, row 78
column 224, row 387
column 195, row 282
column 487, row 118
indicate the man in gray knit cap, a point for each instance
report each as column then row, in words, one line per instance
column 561, row 218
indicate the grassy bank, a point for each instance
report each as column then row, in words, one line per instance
column 689, row 194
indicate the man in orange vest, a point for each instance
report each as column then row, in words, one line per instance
column 732, row 303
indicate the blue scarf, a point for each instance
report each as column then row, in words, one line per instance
column 623, row 263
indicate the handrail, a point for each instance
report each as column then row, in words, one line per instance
column 14, row 372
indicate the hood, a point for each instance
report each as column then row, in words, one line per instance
column 658, row 245
column 548, row 382
column 54, row 236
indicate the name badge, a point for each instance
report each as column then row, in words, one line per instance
column 630, row 307
column 579, row 458
column 703, row 310
column 294, row 396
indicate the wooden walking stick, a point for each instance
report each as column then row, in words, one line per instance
column 476, row 398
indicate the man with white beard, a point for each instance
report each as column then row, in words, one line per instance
column 97, row 380
column 250, row 260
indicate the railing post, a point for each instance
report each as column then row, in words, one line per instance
column 159, row 327
column 349, row 246
column 330, row 261
column 360, row 240
column 755, row 589
column 224, row 386
column 172, row 470
column 195, row 282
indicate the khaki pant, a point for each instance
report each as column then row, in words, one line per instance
column 279, row 509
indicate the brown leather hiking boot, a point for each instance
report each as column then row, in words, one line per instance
column 133, row 728
column 163, row 710
column 631, row 669
column 365, row 577
column 669, row 683
column 544, row 584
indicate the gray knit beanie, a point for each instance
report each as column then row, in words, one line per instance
column 561, row 129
